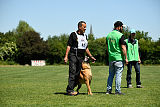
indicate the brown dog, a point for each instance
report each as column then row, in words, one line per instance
column 85, row 77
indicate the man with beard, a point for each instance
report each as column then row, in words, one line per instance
column 116, row 50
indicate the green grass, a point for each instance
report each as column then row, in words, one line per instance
column 45, row 87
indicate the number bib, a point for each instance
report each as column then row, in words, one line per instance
column 82, row 41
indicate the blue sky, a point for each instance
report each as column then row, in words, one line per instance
column 55, row 17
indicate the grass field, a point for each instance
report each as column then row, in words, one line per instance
column 45, row 87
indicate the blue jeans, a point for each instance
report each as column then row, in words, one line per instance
column 115, row 68
column 129, row 72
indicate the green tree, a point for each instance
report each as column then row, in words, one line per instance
column 91, row 37
column 23, row 27
column 7, row 51
column 56, row 48
column 31, row 47
column 2, row 40
column 157, row 45
column 8, row 47
column 98, row 49
column 126, row 32
column 64, row 39
column 142, row 34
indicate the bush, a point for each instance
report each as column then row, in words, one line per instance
column 8, row 63
column 150, row 62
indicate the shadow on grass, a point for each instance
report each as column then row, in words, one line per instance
column 123, row 87
column 103, row 93
column 63, row 93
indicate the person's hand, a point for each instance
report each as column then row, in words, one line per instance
column 126, row 61
column 66, row 59
column 139, row 61
column 93, row 59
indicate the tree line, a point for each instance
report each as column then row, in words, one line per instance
column 23, row 44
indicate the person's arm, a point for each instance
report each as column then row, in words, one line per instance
column 69, row 44
column 139, row 60
column 66, row 56
column 124, row 50
column 89, row 54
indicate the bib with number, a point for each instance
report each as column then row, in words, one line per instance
column 82, row 41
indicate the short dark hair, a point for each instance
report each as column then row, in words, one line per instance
column 80, row 23
column 117, row 24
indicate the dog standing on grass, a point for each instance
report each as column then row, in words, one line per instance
column 85, row 76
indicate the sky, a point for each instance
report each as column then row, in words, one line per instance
column 56, row 17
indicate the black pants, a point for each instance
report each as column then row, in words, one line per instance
column 75, row 65
column 129, row 72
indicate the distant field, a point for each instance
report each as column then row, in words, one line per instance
column 45, row 87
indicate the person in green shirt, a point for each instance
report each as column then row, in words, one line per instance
column 116, row 50
column 133, row 59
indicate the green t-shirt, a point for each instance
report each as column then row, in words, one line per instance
column 114, row 47
column 132, row 50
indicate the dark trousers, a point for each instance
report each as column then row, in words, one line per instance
column 129, row 72
column 75, row 65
